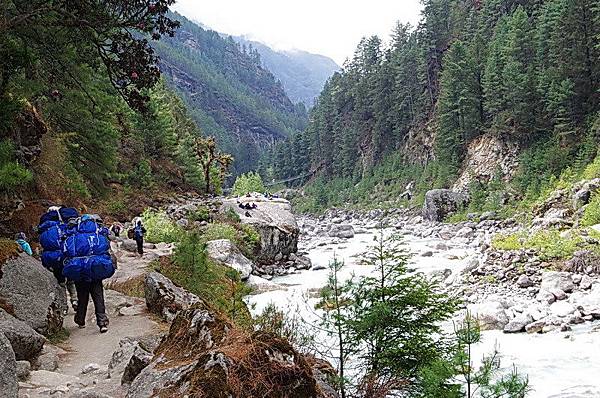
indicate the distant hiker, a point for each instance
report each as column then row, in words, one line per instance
column 116, row 229
column 408, row 191
column 247, row 214
column 88, row 262
column 21, row 240
column 52, row 230
column 253, row 206
column 138, row 235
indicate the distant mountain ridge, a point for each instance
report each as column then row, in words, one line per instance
column 302, row 74
column 228, row 92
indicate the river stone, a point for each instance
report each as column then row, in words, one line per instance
column 9, row 384
column 518, row 323
column 164, row 298
column 225, row 252
column 491, row 315
column 535, row 327
column 343, row 231
column 43, row 309
column 552, row 280
column 586, row 282
column 26, row 342
column 439, row 203
column 545, row 296
column 562, row 309
column 524, row 281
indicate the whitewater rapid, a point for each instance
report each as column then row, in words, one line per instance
column 559, row 365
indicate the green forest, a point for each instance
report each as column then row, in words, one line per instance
column 525, row 71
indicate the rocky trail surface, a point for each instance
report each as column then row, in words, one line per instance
column 81, row 365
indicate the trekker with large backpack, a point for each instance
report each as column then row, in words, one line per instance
column 138, row 235
column 88, row 262
column 52, row 230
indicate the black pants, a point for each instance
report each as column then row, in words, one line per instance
column 84, row 291
column 140, row 246
column 65, row 283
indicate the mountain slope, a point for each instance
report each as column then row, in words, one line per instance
column 474, row 80
column 302, row 74
column 228, row 92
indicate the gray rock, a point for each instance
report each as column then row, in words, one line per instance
column 583, row 261
column 545, row 296
column 90, row 368
column 26, row 342
column 586, row 282
column 343, row 231
column 129, row 245
column 274, row 222
column 491, row 315
column 23, row 370
column 552, row 280
column 524, row 281
column 164, row 298
column 427, row 253
column 535, row 327
column 139, row 359
column 9, row 384
column 48, row 361
column 45, row 300
column 225, row 252
column 518, row 323
column 439, row 203
column 558, row 294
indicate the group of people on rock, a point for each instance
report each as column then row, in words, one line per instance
column 76, row 249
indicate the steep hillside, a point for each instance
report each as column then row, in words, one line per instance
column 513, row 82
column 229, row 93
column 302, row 74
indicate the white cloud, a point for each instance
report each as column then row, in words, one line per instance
column 329, row 27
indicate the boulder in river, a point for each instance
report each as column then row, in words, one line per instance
column 440, row 203
column 24, row 276
column 553, row 280
column 343, row 231
column 491, row 315
column 275, row 223
column 225, row 252
column 164, row 298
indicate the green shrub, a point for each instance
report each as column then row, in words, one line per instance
column 12, row 174
column 246, row 183
column 244, row 236
column 202, row 213
column 593, row 169
column 160, row 228
column 507, row 242
column 591, row 214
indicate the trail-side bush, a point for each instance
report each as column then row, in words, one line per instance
column 12, row 174
column 160, row 228
column 244, row 236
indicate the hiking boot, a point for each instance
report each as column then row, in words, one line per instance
column 74, row 304
column 81, row 326
column 103, row 329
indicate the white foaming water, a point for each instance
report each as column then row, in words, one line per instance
column 558, row 365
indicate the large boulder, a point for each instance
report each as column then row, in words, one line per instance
column 164, row 298
column 491, row 315
column 9, row 384
column 26, row 342
column 225, row 252
column 30, row 293
column 131, row 357
column 555, row 280
column 275, row 223
column 439, row 203
column 344, row 231
column 204, row 355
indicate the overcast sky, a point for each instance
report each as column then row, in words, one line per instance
column 328, row 27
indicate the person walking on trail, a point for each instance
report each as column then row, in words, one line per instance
column 138, row 235
column 52, row 229
column 88, row 262
column 21, row 240
column 116, row 229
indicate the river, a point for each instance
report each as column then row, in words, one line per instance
column 559, row 365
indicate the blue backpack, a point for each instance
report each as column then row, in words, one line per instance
column 138, row 232
column 86, row 251
column 52, row 233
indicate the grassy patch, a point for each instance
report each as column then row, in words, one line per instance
column 8, row 249
column 550, row 244
column 133, row 287
column 59, row 337
column 591, row 214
